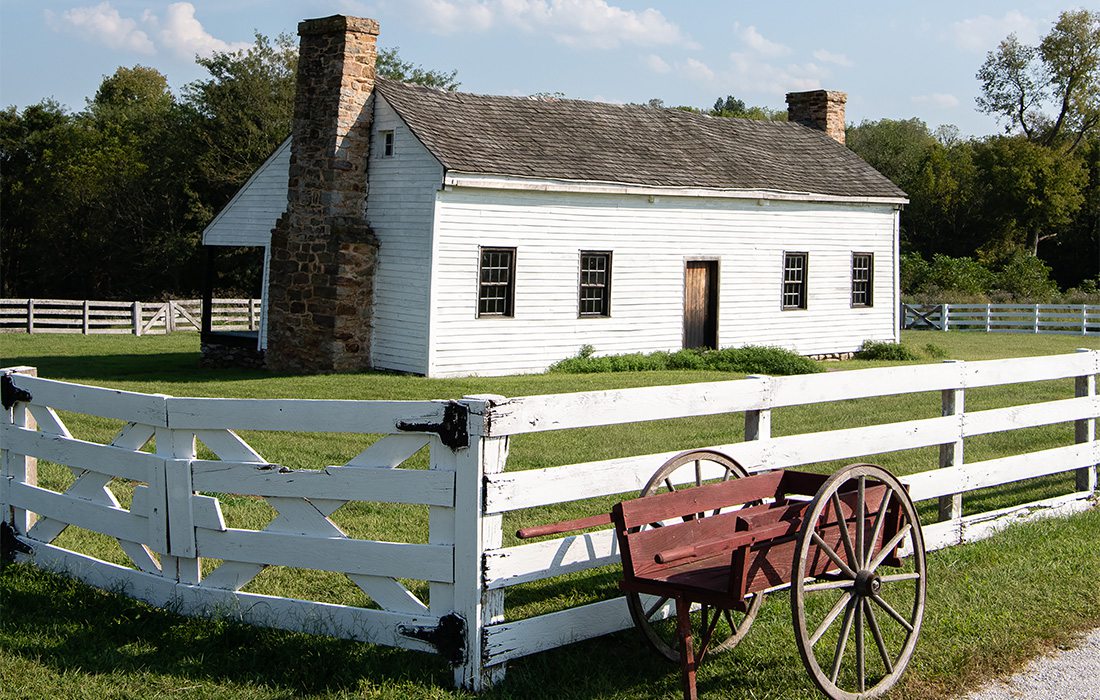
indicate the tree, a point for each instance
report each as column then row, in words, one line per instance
column 1051, row 92
column 1029, row 192
column 391, row 65
column 730, row 106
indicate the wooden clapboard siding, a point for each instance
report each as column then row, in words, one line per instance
column 400, row 207
column 650, row 242
column 249, row 217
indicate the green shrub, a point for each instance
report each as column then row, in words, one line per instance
column 751, row 359
column 882, row 350
column 934, row 351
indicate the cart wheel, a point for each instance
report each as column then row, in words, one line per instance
column 655, row 617
column 883, row 592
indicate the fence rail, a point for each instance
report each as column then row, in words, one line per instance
column 124, row 317
column 176, row 517
column 1064, row 319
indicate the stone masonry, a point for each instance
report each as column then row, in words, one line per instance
column 819, row 109
column 322, row 249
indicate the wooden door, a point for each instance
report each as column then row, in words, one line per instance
column 701, row 304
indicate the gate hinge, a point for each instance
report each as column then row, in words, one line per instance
column 10, row 544
column 452, row 430
column 10, row 393
column 448, row 637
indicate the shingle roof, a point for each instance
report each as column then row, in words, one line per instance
column 595, row 141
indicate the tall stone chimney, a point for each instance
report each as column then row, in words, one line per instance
column 819, row 109
column 322, row 250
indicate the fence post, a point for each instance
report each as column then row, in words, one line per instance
column 474, row 533
column 988, row 308
column 758, row 423
column 30, row 315
column 18, row 468
column 170, row 317
column 952, row 403
column 177, row 448
column 251, row 314
column 945, row 316
column 84, row 317
column 1084, row 431
column 1084, row 324
column 135, row 317
column 1036, row 318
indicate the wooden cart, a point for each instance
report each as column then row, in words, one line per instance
column 704, row 542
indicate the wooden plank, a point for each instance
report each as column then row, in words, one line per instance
column 416, row 561
column 181, row 524
column 389, row 594
column 389, row 451
column 1030, row 415
column 300, row 415
column 418, row 486
column 109, row 403
column 1004, row 470
column 106, row 459
column 112, row 521
column 982, row 525
column 1028, row 369
column 228, row 445
column 341, row 621
column 535, row 487
column 511, row 640
column 533, row 562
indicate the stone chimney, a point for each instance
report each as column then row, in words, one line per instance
column 323, row 252
column 819, row 109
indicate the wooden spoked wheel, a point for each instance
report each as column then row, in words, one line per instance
column 857, row 607
column 655, row 617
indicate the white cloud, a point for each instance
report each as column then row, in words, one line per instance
column 755, row 41
column 657, row 64
column 102, row 23
column 830, row 57
column 696, row 70
column 750, row 74
column 182, row 32
column 179, row 31
column 983, row 33
column 936, row 99
column 589, row 23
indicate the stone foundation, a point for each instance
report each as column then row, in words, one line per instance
column 221, row 356
column 832, row 356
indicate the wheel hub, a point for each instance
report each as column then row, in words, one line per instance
column 868, row 583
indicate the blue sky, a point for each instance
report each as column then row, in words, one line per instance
column 894, row 59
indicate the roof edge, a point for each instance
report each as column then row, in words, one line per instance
column 237, row 195
column 454, row 178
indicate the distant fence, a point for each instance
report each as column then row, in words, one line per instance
column 1065, row 319
column 131, row 317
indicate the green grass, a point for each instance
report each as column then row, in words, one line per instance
column 991, row 604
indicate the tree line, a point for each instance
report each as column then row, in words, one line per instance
column 110, row 202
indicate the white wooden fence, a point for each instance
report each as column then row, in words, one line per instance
column 176, row 513
column 1065, row 319
column 129, row 317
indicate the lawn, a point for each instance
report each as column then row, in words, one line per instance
column 991, row 604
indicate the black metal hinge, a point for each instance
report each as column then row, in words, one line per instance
column 10, row 544
column 448, row 638
column 10, row 393
column 452, row 430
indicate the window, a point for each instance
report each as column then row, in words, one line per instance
column 496, row 287
column 862, row 278
column 595, row 286
column 387, row 144
column 794, row 280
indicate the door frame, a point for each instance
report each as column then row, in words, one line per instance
column 717, row 260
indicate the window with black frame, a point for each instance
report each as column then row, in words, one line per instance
column 496, row 286
column 862, row 279
column 595, row 283
column 794, row 280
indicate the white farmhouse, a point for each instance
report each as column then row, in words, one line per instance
column 445, row 233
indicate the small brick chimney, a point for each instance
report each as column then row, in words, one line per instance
column 322, row 249
column 819, row 109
